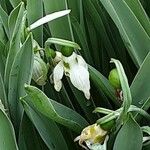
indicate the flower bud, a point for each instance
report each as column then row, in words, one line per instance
column 40, row 70
column 114, row 79
column 67, row 51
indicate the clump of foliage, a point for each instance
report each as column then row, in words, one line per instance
column 74, row 70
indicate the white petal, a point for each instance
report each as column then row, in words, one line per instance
column 58, row 85
column 98, row 146
column 58, row 57
column 79, row 77
column 81, row 61
column 58, row 71
column 57, row 75
column 48, row 18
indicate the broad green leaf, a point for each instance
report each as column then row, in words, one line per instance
column 129, row 137
column 21, row 73
column 33, row 15
column 60, row 28
column 98, row 23
column 140, row 13
column 28, row 136
column 81, row 39
column 2, row 92
column 2, row 65
column 133, row 34
column 8, row 141
column 145, row 107
column 86, row 106
column 4, row 19
column 101, row 82
column 140, row 87
column 47, row 129
column 15, row 25
column 127, row 99
column 53, row 110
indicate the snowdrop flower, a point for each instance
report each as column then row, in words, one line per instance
column 75, row 67
column 93, row 136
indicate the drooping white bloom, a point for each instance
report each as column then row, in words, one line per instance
column 94, row 137
column 76, row 68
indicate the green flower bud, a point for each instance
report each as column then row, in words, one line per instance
column 40, row 71
column 114, row 79
column 107, row 126
column 67, row 51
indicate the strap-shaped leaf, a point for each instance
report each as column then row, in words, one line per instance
column 129, row 137
column 135, row 37
column 15, row 26
column 61, row 27
column 53, row 110
column 21, row 73
column 4, row 19
column 102, row 83
column 7, row 134
column 140, row 87
column 48, row 129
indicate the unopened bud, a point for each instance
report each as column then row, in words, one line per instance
column 67, row 51
column 114, row 79
column 40, row 70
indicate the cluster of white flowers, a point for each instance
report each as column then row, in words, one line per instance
column 75, row 68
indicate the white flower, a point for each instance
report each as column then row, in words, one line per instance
column 98, row 146
column 76, row 68
column 94, row 137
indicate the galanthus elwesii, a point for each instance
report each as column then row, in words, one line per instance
column 94, row 137
column 75, row 67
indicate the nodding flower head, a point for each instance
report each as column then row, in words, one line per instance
column 75, row 67
column 91, row 135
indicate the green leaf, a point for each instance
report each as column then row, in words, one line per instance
column 133, row 33
column 129, row 137
column 140, row 87
column 140, row 13
column 81, row 38
column 3, row 93
column 62, row 43
column 127, row 99
column 91, row 11
column 102, row 84
column 8, row 141
column 4, row 19
column 86, row 106
column 15, row 2
column 47, row 129
column 53, row 110
column 21, row 73
column 60, row 28
column 15, row 25
column 28, row 136
column 33, row 15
